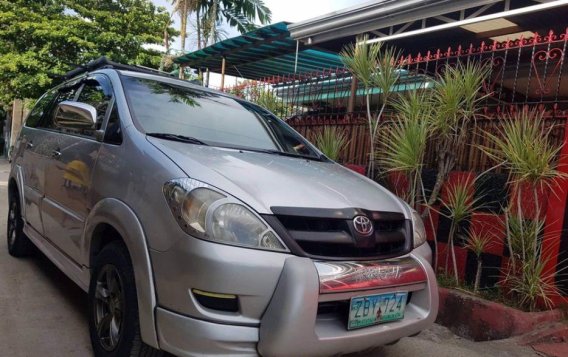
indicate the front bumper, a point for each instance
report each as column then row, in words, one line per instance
column 291, row 325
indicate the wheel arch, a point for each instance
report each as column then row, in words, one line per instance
column 111, row 220
column 16, row 186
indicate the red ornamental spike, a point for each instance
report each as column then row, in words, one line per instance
column 551, row 36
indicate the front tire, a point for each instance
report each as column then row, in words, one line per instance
column 113, row 306
column 18, row 244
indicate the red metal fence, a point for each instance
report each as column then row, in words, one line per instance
column 523, row 72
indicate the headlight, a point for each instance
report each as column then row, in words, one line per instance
column 419, row 230
column 208, row 214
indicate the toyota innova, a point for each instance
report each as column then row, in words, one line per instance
column 201, row 224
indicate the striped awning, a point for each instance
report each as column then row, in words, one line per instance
column 264, row 52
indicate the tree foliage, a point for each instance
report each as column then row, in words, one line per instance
column 40, row 39
column 241, row 14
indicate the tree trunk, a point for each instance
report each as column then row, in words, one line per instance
column 453, row 252
column 536, row 217
column 440, row 178
column 477, row 276
column 183, row 26
column 213, row 24
column 198, row 25
column 370, row 168
column 508, row 236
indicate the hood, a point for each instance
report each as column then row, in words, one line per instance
column 265, row 180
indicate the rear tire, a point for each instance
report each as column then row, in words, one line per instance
column 18, row 244
column 113, row 306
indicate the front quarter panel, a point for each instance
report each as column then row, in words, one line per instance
column 117, row 214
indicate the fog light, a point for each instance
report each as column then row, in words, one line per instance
column 217, row 301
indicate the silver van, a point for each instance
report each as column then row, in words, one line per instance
column 201, row 224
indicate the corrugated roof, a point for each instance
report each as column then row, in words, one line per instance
column 264, row 52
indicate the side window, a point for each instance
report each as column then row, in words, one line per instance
column 94, row 91
column 97, row 93
column 41, row 107
column 113, row 134
column 63, row 94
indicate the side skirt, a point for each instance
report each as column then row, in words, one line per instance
column 79, row 274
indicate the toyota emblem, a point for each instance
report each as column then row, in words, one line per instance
column 363, row 225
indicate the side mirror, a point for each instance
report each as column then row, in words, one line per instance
column 75, row 115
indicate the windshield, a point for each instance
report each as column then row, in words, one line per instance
column 174, row 111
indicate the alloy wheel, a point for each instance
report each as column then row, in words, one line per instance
column 12, row 224
column 109, row 307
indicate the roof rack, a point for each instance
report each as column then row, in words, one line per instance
column 103, row 62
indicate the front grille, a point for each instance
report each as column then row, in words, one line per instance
column 323, row 237
column 346, row 251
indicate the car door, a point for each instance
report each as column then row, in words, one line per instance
column 68, row 176
column 32, row 164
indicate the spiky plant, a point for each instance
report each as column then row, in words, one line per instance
column 270, row 101
column 523, row 148
column 524, row 235
column 459, row 205
column 404, row 141
column 374, row 67
column 477, row 242
column 457, row 101
column 534, row 280
column 331, row 141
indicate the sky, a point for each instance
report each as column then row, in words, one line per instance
column 282, row 10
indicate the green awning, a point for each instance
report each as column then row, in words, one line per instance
column 265, row 52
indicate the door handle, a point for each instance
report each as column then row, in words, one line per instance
column 30, row 145
column 55, row 154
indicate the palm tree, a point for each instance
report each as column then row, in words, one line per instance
column 184, row 8
column 241, row 14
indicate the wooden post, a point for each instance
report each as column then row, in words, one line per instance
column 207, row 77
column 18, row 114
column 223, row 63
column 351, row 103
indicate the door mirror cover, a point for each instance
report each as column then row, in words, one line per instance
column 75, row 115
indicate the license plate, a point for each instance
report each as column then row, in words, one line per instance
column 375, row 309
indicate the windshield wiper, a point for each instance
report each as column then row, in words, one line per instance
column 176, row 137
column 283, row 153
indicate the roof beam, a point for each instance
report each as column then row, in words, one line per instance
column 503, row 14
column 480, row 11
column 364, row 18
